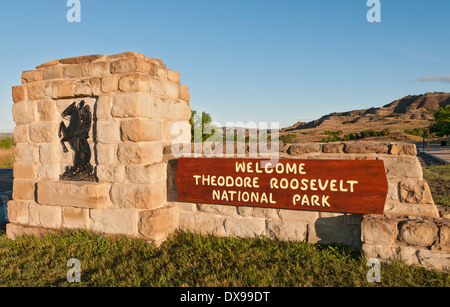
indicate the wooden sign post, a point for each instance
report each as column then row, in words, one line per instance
column 351, row 186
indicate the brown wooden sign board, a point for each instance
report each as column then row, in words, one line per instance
column 350, row 186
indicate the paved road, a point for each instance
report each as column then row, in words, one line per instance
column 441, row 153
column 6, row 179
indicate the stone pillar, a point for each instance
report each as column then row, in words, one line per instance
column 134, row 102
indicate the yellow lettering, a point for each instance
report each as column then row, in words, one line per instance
column 301, row 167
column 291, row 168
column 352, row 183
column 264, row 198
column 315, row 200
column 313, row 184
column 240, row 167
column 305, row 184
column 216, row 195
column 342, row 189
column 274, row 183
column 255, row 182
column 333, row 185
column 267, row 168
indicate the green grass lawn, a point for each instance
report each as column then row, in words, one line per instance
column 438, row 178
column 197, row 261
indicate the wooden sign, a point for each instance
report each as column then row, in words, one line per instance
column 351, row 186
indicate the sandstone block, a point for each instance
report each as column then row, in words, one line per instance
column 298, row 149
column 47, row 110
column 115, row 221
column 141, row 130
column 111, row 173
column 157, row 224
column 104, row 105
column 140, row 153
column 50, row 171
column 130, row 65
column 138, row 196
column 173, row 76
column 21, row 134
column 434, row 260
column 287, row 231
column 184, row 93
column 267, row 213
column 358, row 148
column 180, row 111
column 50, row 216
column 444, row 237
column 25, row 152
column 36, row 90
column 402, row 167
column 81, row 59
column 131, row 105
column 18, row 212
column 96, row 85
column 76, row 71
column 99, row 69
column 62, row 89
column 333, row 148
column 52, row 153
column 172, row 89
column 177, row 130
column 14, row 231
column 415, row 192
column 158, row 86
column 160, row 72
column 54, row 72
column 25, row 170
column 31, row 76
column 418, row 233
column 217, row 209
column 108, row 131
column 110, row 83
column 19, row 93
column 296, row 215
column 106, row 153
column 82, row 90
column 146, row 174
column 48, row 64
column 382, row 252
column 396, row 208
column 44, row 132
column 135, row 82
column 24, row 112
column 245, row 227
column 408, row 255
column 23, row 189
column 403, row 149
column 378, row 231
column 202, row 223
column 74, row 194
column 76, row 218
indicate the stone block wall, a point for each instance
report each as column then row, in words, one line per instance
column 411, row 228
column 134, row 100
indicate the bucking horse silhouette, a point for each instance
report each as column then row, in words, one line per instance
column 77, row 134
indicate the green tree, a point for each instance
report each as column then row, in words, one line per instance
column 442, row 125
column 201, row 124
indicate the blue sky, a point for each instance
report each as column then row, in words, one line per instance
column 246, row 60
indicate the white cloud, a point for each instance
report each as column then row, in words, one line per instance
column 439, row 79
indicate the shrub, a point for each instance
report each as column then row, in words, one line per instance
column 7, row 143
